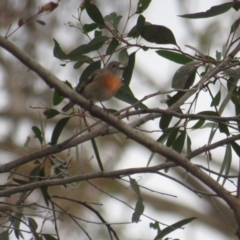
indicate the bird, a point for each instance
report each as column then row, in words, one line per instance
column 102, row 84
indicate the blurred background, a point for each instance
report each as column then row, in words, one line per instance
column 24, row 96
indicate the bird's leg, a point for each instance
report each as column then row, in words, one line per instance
column 103, row 106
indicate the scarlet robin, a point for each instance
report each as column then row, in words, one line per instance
column 102, row 85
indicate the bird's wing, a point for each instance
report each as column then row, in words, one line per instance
column 82, row 85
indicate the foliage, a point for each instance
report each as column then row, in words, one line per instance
column 199, row 73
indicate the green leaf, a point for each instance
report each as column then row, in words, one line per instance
column 198, row 124
column 173, row 227
column 128, row 71
column 155, row 226
column 135, row 187
column 136, row 31
column 32, row 223
column 19, row 181
column 218, row 55
column 236, row 148
column 213, row 11
column 97, row 155
column 138, row 28
column 95, row 149
column 140, row 24
column 179, row 142
column 110, row 17
column 139, row 205
column 235, row 26
column 139, row 209
column 212, row 133
column 38, row 133
column 224, row 51
column 223, row 128
column 189, row 144
column 236, row 101
column 58, row 129
column 4, row 235
column 158, row 34
column 45, row 195
column 126, row 95
column 117, row 21
column 123, row 57
column 26, row 143
column 133, row 33
column 207, row 113
column 16, row 225
column 185, row 75
column 226, row 165
column 81, row 60
column 112, row 46
column 97, row 33
column 89, row 27
column 234, row 81
column 48, row 237
column 57, row 98
column 216, row 100
column 78, row 64
column 209, row 125
column 50, row 113
column 33, row 175
column 113, row 18
column 93, row 45
column 233, row 73
column 93, row 12
column 164, row 121
column 44, row 190
column 175, row 57
column 236, row 5
column 142, row 5
column 174, row 98
column 172, row 137
column 150, row 158
column 58, row 52
column 23, row 196
column 163, row 137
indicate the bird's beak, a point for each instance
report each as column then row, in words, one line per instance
column 121, row 66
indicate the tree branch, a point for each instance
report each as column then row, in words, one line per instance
column 83, row 177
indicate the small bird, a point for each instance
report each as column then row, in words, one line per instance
column 102, row 85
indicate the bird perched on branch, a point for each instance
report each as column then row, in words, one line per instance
column 102, row 85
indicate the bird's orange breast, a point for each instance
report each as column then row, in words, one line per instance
column 113, row 83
